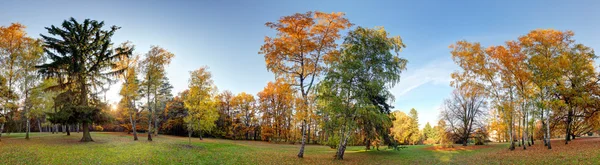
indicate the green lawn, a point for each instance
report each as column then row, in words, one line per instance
column 119, row 148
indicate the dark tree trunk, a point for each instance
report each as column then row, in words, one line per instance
column 40, row 125
column 368, row 143
column 532, row 141
column 28, row 129
column 68, row 130
column 87, row 137
column 200, row 135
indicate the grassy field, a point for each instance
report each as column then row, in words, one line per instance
column 119, row 148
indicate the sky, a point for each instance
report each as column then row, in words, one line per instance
column 226, row 35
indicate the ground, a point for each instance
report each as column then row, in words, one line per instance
column 119, row 148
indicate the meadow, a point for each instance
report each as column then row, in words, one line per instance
column 119, row 148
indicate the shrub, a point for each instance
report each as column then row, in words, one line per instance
column 333, row 142
column 98, row 128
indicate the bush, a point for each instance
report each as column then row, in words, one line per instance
column 98, row 128
column 333, row 142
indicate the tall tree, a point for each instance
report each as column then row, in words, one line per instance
column 303, row 44
column 81, row 57
column 543, row 48
column 13, row 45
column 164, row 95
column 130, row 88
column 32, row 56
column 358, row 83
column 415, row 134
column 202, row 108
column 478, row 69
column 153, row 68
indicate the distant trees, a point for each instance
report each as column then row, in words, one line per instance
column 303, row 44
column 79, row 59
column 276, row 105
column 245, row 121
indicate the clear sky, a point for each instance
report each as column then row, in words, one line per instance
column 227, row 35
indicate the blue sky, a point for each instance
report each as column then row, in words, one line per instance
column 227, row 35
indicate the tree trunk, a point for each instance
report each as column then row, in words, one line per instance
column 339, row 155
column 28, row 129
column 133, row 127
column 40, row 125
column 190, row 137
column 78, row 127
column 87, row 137
column 368, row 141
column 308, row 132
column 150, row 113
column 532, row 141
column 568, row 125
column 200, row 134
column 68, row 130
column 303, row 143
column 150, row 128
column 548, row 136
column 511, row 134
column 1, row 129
column 156, row 126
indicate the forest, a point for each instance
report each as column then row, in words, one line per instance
column 538, row 93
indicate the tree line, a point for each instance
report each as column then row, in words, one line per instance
column 323, row 93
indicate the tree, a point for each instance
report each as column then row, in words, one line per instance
column 245, row 105
column 357, row 85
column 176, row 112
column 14, row 43
column 79, row 59
column 429, row 134
column 303, row 44
column 544, row 48
column 464, row 110
column 226, row 115
column 130, row 88
column 402, row 127
column 32, row 56
column 153, row 68
column 275, row 105
column 164, row 95
column 415, row 136
column 443, row 134
column 202, row 110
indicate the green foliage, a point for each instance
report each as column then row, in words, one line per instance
column 356, row 87
column 200, row 103
column 81, row 59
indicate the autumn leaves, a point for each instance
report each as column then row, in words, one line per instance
column 533, row 80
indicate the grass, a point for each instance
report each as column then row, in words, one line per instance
column 119, row 148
